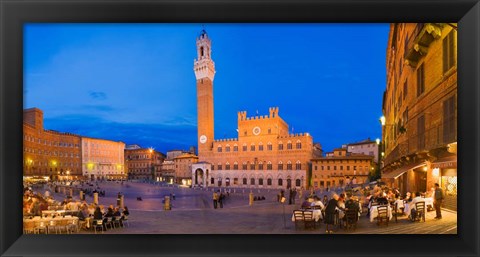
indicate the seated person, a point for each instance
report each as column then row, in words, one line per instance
column 306, row 204
column 109, row 211
column 382, row 199
column 317, row 202
column 98, row 215
column 416, row 198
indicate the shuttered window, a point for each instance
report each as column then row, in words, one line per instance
column 448, row 51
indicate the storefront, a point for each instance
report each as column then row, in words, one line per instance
column 446, row 171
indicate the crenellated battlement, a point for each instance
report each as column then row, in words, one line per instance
column 273, row 113
column 294, row 135
column 226, row 140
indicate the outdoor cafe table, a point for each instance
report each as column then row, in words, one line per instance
column 428, row 202
column 52, row 212
column 317, row 215
column 374, row 212
column 46, row 221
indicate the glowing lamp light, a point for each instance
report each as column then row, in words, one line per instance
column 436, row 172
column 378, row 141
column 425, row 168
column 382, row 120
column 383, row 154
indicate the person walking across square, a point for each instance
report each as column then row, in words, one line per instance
column 438, row 200
column 215, row 200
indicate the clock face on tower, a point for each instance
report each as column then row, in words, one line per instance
column 256, row 131
column 203, row 139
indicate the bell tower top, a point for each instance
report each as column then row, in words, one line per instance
column 204, row 66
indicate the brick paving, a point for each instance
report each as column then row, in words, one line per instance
column 192, row 213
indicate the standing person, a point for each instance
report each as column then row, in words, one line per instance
column 438, row 199
column 215, row 200
column 330, row 213
column 290, row 194
column 294, row 194
column 220, row 199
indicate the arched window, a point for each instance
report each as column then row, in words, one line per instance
column 244, row 166
column 269, row 166
column 219, row 166
column 252, row 147
column 269, row 146
column 244, row 180
column 252, row 181
column 227, row 166
column 289, row 165
column 260, row 146
column 201, row 51
column 297, row 182
column 299, row 144
column 235, row 148
column 235, row 166
column 289, row 145
column 219, row 148
column 280, row 145
column 227, row 148
column 280, row 182
column 252, row 166
column 269, row 181
column 260, row 165
column 244, row 147
column 280, row 166
column 298, row 165
column 260, row 181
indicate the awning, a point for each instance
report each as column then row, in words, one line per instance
column 445, row 162
column 398, row 172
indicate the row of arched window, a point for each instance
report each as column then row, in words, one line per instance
column 228, row 148
column 253, row 182
column 259, row 166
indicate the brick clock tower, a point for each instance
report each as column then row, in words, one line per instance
column 204, row 68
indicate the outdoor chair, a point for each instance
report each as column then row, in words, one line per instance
column 73, row 225
column 116, row 222
column 109, row 222
column 40, row 226
column 395, row 211
column 63, row 225
column 420, row 211
column 98, row 224
column 351, row 218
column 382, row 214
column 298, row 217
column 53, row 225
column 125, row 220
column 28, row 227
column 308, row 219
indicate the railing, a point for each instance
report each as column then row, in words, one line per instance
column 435, row 137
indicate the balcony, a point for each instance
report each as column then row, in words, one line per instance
column 435, row 137
column 418, row 43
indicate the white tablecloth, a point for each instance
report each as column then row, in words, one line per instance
column 428, row 201
column 51, row 212
column 374, row 213
column 317, row 215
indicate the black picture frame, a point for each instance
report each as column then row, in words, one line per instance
column 15, row 13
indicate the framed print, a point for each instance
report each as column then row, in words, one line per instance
column 158, row 128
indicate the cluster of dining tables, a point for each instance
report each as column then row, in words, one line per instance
column 401, row 204
column 48, row 223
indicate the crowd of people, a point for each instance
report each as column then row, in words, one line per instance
column 35, row 203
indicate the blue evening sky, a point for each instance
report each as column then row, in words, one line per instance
column 135, row 82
